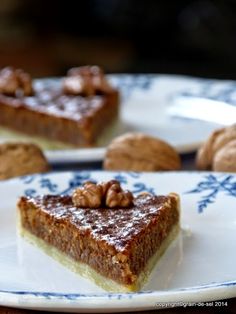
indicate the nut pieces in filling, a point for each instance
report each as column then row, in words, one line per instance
column 87, row 80
column 15, row 82
column 109, row 194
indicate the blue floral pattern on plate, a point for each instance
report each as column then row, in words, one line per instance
column 211, row 185
column 130, row 83
column 212, row 89
column 77, row 179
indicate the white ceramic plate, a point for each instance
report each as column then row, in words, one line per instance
column 199, row 266
column 144, row 108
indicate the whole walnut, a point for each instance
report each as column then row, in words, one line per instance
column 140, row 152
column 218, row 153
column 17, row 159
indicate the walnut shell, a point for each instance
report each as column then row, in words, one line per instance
column 140, row 152
column 17, row 159
column 205, row 153
column 225, row 158
column 217, row 153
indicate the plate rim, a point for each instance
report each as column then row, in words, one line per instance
column 115, row 302
column 97, row 154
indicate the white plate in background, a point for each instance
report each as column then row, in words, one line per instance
column 144, row 108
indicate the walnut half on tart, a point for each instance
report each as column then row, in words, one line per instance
column 116, row 247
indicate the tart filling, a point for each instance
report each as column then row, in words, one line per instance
column 115, row 247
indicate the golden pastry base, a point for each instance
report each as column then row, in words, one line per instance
column 88, row 272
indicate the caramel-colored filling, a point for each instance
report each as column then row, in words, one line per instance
column 49, row 113
column 117, row 243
